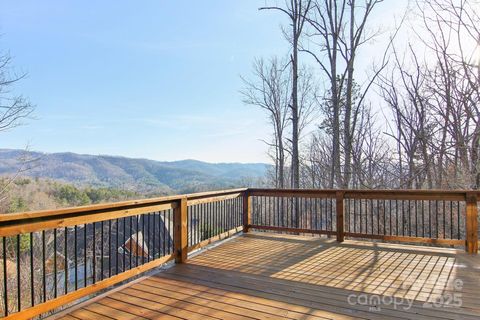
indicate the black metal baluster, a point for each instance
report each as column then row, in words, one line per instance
column 451, row 219
column 55, row 263
column 123, row 244
column 189, row 226
column 19, row 292
column 444, row 230
column 44, row 270
column 371, row 214
column 201, row 221
column 271, row 221
column 32, row 272
column 355, row 215
column 348, row 216
column 170, row 226
column 222, row 216
column 214, row 219
column 361, row 216
column 408, row 225
column 264, row 210
column 365, row 214
column 143, row 238
column 94, row 254
column 308, row 213
column 101, row 251
column 198, row 224
column 219, row 217
column 85, row 254
column 458, row 220
column 137, row 230
column 390, row 214
column 260, row 202
column 211, row 220
column 311, row 213
column 396, row 213
column 430, row 218
column 164, row 232
column 153, row 236
column 227, row 213
column 279, row 211
column 66, row 260
column 423, row 218
column 117, row 229
column 208, row 220
column 302, row 212
column 5, row 279
column 416, row 218
column 160, row 253
column 230, row 213
column 148, row 236
column 109, row 248
column 233, row 204
column 212, row 231
column 384, row 218
column 131, row 242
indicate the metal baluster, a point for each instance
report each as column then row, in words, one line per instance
column 85, row 255
column 66, row 260
column 43, row 268
column 5, row 278
column 19, row 293
column 101, row 251
column 109, row 248
column 94, row 255
column 32, row 272
column 55, row 262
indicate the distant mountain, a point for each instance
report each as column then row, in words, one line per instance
column 141, row 175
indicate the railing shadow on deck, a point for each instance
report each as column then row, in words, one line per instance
column 411, row 276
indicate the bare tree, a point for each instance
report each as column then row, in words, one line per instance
column 338, row 30
column 270, row 90
column 453, row 38
column 13, row 110
column 296, row 11
column 414, row 126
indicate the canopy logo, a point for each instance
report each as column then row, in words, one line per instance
column 406, row 301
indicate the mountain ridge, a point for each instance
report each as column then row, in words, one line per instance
column 138, row 174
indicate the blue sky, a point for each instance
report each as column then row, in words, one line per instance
column 150, row 79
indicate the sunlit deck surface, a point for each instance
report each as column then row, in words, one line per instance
column 266, row 276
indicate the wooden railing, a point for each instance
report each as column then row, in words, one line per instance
column 421, row 216
column 52, row 258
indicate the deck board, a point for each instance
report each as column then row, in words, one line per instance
column 267, row 276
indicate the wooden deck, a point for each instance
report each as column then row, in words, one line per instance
column 265, row 276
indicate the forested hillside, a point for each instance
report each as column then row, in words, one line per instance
column 136, row 175
column 27, row 194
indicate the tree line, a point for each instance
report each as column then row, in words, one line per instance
column 412, row 121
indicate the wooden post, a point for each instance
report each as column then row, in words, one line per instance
column 247, row 213
column 340, row 231
column 180, row 232
column 471, row 224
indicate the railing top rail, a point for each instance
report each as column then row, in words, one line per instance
column 100, row 208
column 453, row 195
column 417, row 194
